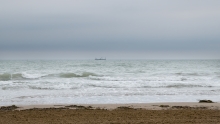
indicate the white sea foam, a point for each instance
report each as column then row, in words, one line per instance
column 37, row 82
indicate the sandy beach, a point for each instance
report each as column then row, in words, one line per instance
column 112, row 113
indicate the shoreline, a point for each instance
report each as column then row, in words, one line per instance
column 147, row 106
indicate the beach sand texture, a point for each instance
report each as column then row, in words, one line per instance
column 200, row 113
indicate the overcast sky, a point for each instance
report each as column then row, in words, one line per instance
column 116, row 29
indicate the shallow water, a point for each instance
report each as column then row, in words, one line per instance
column 110, row 81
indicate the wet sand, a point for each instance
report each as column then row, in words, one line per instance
column 199, row 113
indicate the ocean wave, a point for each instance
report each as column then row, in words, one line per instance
column 137, row 79
column 146, row 86
column 103, row 86
column 26, row 76
column 19, row 76
column 8, row 76
column 72, row 75
column 53, row 87
column 41, row 88
column 12, row 87
column 32, row 75
column 185, row 86
column 109, row 78
column 174, row 86
column 191, row 74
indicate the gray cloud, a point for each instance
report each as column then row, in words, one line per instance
column 126, row 27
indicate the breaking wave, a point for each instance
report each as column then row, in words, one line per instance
column 72, row 75
column 25, row 76
column 186, row 86
column 8, row 76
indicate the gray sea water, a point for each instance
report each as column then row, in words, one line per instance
column 111, row 81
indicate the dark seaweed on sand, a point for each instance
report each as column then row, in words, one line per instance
column 79, row 107
column 8, row 108
column 206, row 101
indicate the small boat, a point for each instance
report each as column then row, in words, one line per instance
column 100, row 58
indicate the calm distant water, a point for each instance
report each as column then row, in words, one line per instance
column 110, row 81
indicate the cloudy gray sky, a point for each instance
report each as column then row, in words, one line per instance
column 116, row 29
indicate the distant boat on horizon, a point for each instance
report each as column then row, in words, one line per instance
column 100, row 58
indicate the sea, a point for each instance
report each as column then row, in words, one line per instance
column 32, row 82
